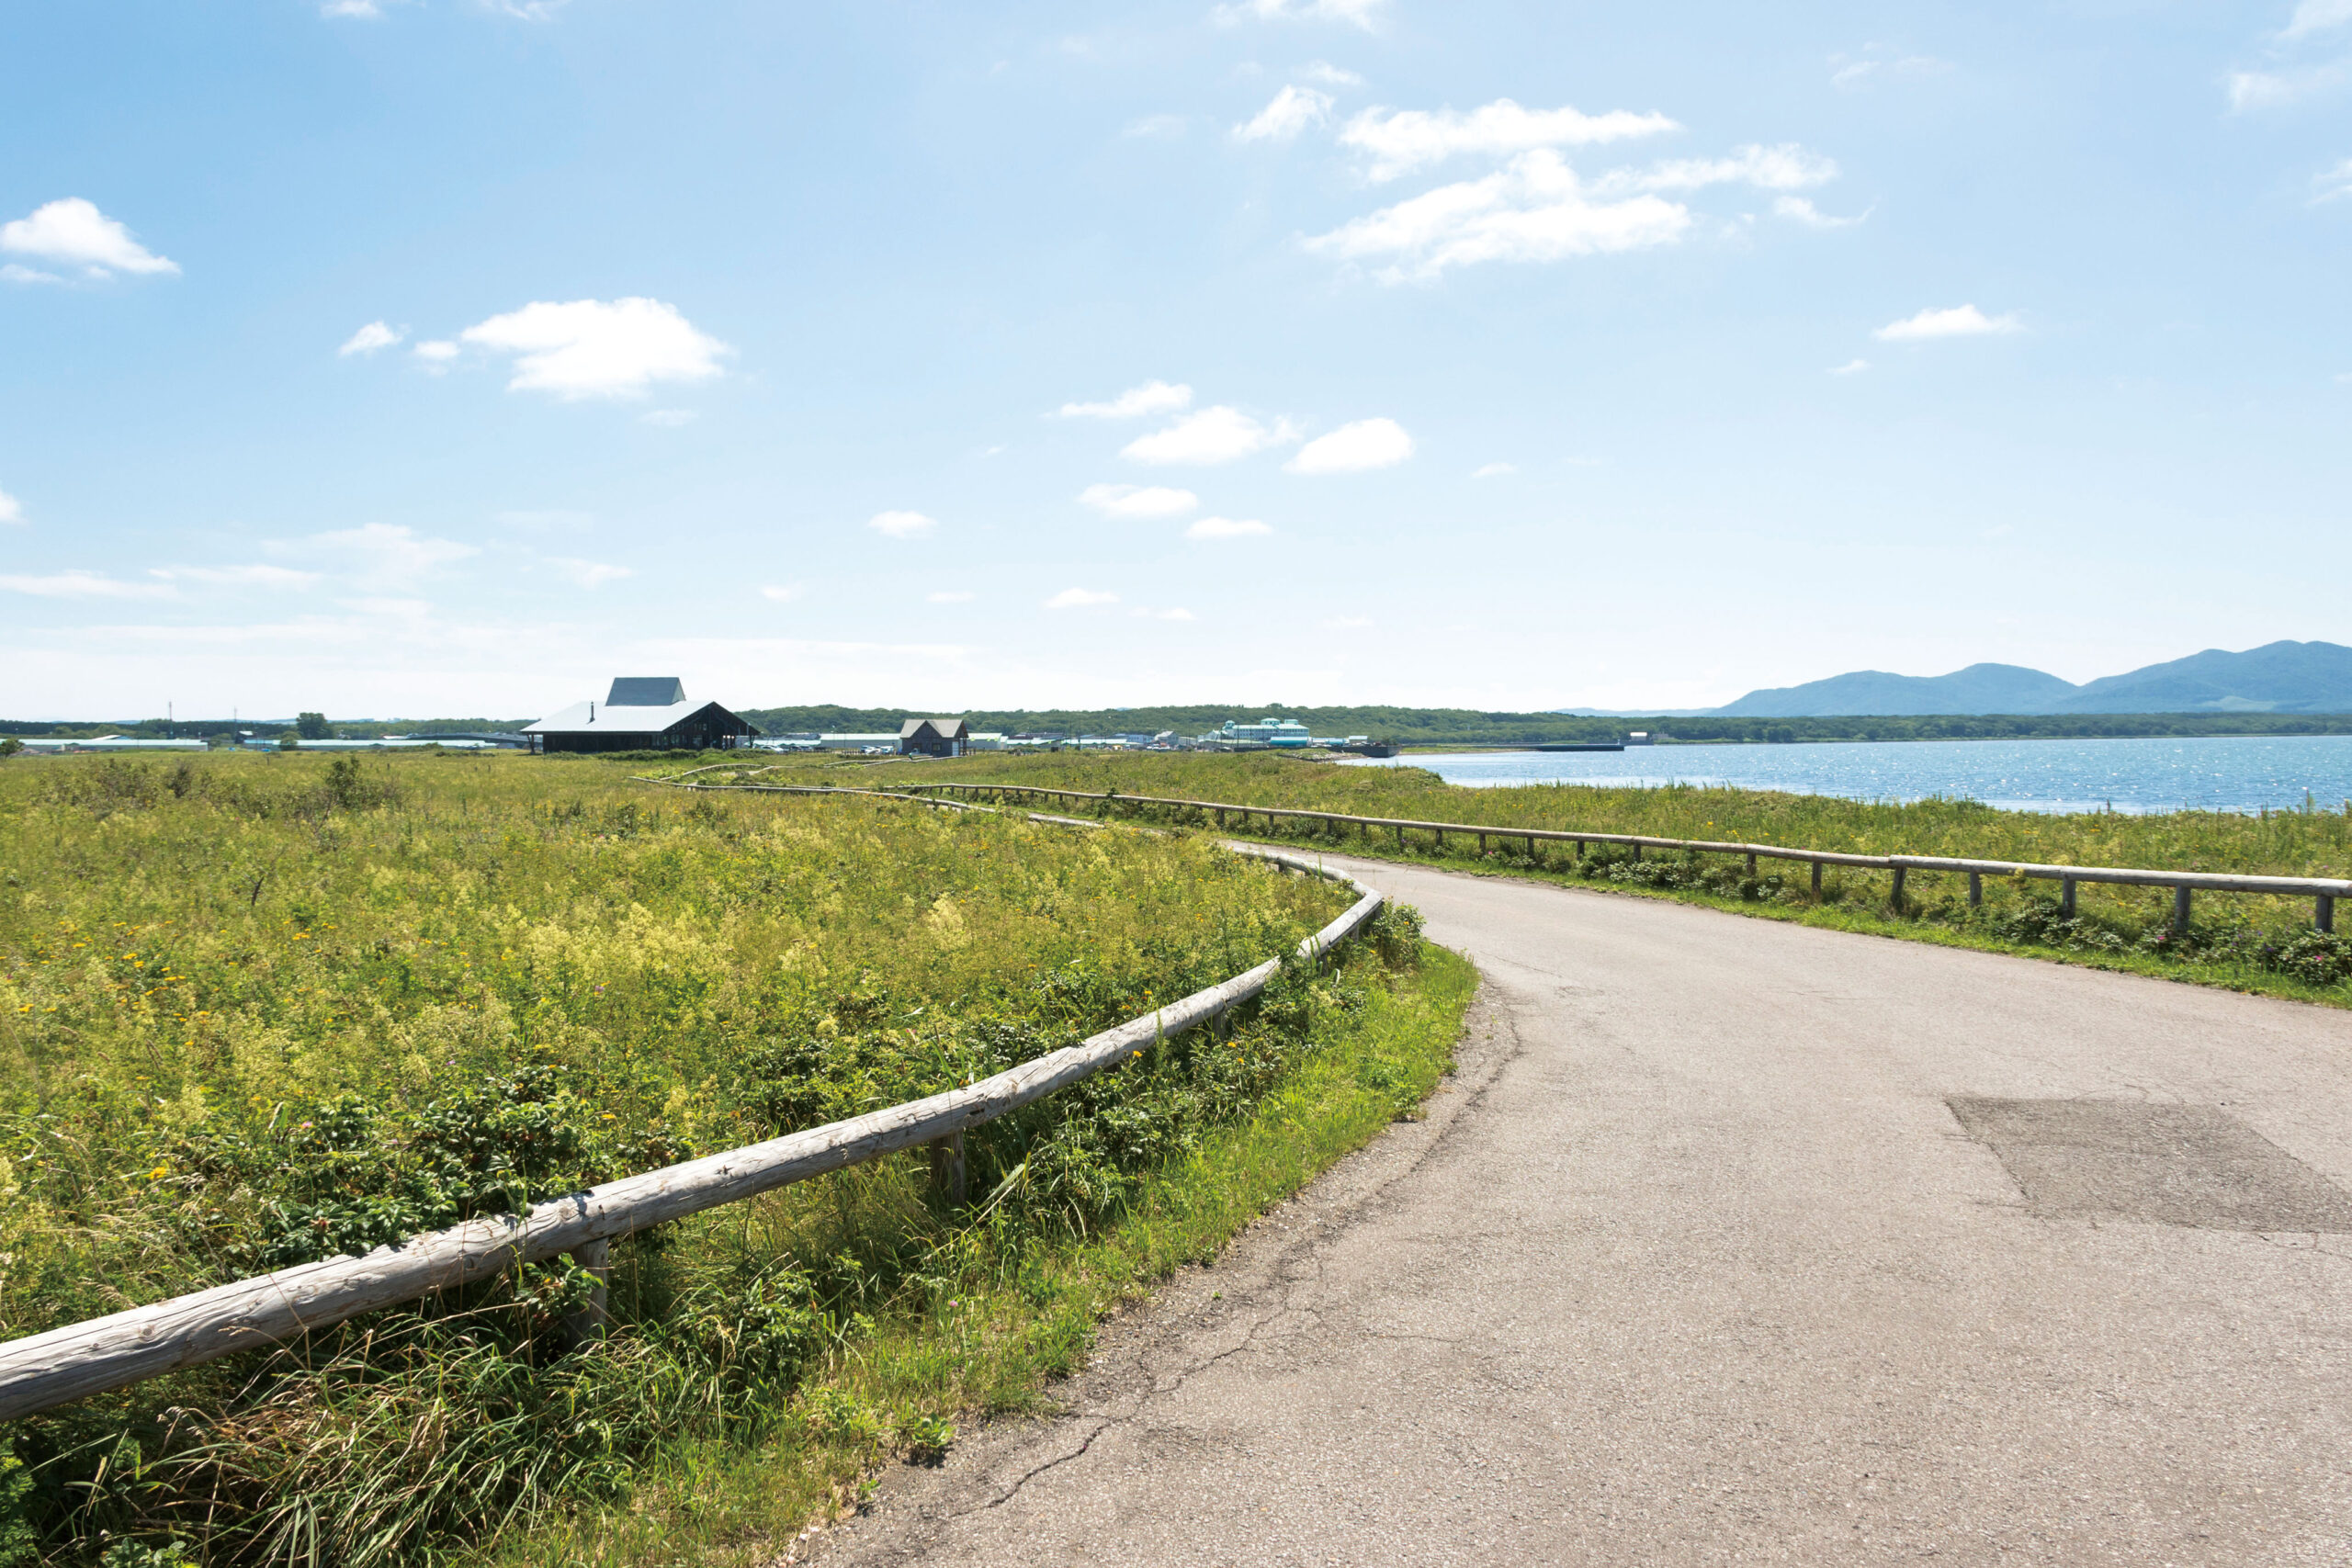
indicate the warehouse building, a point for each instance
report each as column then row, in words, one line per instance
column 641, row 713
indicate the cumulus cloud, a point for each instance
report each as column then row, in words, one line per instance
column 951, row 596
column 1958, row 321
column 902, row 524
column 1215, row 434
column 668, row 419
column 1534, row 210
column 1785, row 167
column 587, row 573
column 1291, row 111
column 1851, row 367
column 84, row 585
column 1173, row 612
column 2331, row 184
column 1079, row 599
column 1138, row 501
column 1398, row 142
column 11, row 509
column 598, row 348
column 1152, row 396
column 1493, row 471
column 1799, row 210
column 258, row 575
column 1365, row 14
column 74, row 233
column 370, row 338
column 781, row 592
column 2250, row 90
column 435, row 355
column 2318, row 16
column 1353, row 449
column 1156, row 128
column 1324, row 74
column 1226, row 529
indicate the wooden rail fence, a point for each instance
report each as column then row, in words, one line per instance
column 2323, row 891
column 81, row 1358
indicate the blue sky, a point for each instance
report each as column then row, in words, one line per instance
column 436, row 356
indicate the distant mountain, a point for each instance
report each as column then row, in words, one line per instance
column 2282, row 677
column 1980, row 688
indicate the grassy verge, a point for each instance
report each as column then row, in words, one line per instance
column 995, row 1325
column 2244, row 942
column 256, row 1010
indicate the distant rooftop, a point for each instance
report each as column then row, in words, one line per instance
column 646, row 691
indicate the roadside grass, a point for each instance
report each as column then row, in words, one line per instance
column 999, row 1319
column 256, row 1010
column 2247, row 942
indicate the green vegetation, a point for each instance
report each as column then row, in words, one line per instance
column 258, row 1008
column 1464, row 727
column 2252, row 942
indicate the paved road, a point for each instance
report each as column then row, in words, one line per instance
column 1739, row 1242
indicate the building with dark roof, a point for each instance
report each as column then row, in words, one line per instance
column 934, row 738
column 641, row 713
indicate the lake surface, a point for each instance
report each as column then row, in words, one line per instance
column 2234, row 773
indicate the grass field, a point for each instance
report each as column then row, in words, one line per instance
column 260, row 1010
column 2249, row 942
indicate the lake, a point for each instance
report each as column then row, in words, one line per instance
column 2230, row 773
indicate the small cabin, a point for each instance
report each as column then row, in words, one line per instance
column 641, row 713
column 934, row 738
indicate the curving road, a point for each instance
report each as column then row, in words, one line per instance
column 1740, row 1242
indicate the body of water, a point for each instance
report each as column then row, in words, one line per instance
column 2230, row 773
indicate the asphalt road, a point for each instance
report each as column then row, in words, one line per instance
column 1731, row 1242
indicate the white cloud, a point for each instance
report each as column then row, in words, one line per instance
column 1534, row 210
column 1152, row 396
column 1079, row 599
column 598, row 348
column 86, row 585
column 902, row 524
column 1362, row 13
column 951, row 596
column 1291, row 111
column 1156, row 128
column 1324, row 74
column 74, row 233
column 781, row 592
column 2331, row 184
column 1960, row 320
column 11, row 509
column 1215, row 434
column 435, row 355
column 370, row 338
column 1353, row 449
column 254, row 576
column 1851, row 367
column 668, row 419
column 1848, row 72
column 14, row 273
column 2276, row 89
column 1173, row 612
column 379, row 553
column 1138, row 501
column 588, row 573
column 2318, row 16
column 1400, row 140
column 1226, row 529
column 1801, row 210
column 365, row 8
column 1785, row 167
column 1493, row 471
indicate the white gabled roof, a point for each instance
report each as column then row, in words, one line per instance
column 628, row 720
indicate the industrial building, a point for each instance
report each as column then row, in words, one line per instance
column 641, row 713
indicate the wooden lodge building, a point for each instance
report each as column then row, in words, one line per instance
column 934, row 738
column 641, row 713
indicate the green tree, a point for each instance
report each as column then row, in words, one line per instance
column 288, row 741
column 311, row 725
column 10, row 746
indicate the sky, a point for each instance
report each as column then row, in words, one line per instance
column 413, row 357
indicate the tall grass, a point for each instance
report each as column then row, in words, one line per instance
column 255, row 1010
column 2249, row 942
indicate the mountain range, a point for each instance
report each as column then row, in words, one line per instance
column 2279, row 677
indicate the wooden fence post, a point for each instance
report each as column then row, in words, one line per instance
column 2066, row 897
column 1976, row 890
column 585, row 1325
column 1751, row 862
column 1895, row 895
column 2323, row 912
column 1816, row 879
column 2180, row 911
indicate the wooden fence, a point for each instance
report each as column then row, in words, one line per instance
column 64, row 1364
column 2323, row 891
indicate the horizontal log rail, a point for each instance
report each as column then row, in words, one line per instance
column 68, row 1363
column 2322, row 890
